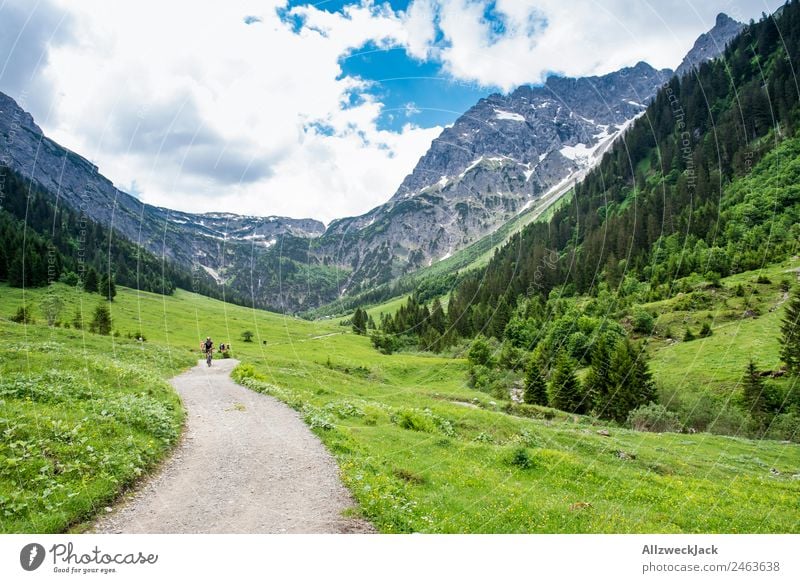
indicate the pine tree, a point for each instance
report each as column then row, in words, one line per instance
column 535, row 387
column 754, row 397
column 597, row 380
column 109, row 288
column 360, row 321
column 646, row 391
column 101, row 322
column 790, row 334
column 621, row 384
column 90, row 281
column 565, row 389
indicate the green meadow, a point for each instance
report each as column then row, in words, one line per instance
column 84, row 416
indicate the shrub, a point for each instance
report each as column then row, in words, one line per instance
column 521, row 459
column 247, row 336
column 688, row 336
column 384, row 343
column 101, row 322
column 705, row 330
column 643, row 321
column 480, row 353
column 23, row 316
column 654, row 418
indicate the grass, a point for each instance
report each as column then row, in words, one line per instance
column 420, row 450
column 743, row 327
column 81, row 419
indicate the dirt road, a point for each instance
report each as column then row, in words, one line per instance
column 247, row 464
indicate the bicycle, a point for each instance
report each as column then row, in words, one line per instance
column 208, row 357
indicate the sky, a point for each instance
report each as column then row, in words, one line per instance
column 298, row 108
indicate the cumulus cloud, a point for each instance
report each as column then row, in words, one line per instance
column 511, row 42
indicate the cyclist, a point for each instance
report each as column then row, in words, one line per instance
column 208, row 347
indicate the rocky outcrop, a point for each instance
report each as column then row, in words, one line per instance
column 711, row 44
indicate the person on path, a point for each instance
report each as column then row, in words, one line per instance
column 208, row 347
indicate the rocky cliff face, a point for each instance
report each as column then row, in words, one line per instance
column 710, row 44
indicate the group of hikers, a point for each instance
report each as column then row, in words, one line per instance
column 207, row 347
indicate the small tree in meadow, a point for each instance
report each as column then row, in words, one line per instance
column 247, row 336
column 790, row 334
column 360, row 321
column 754, row 397
column 101, row 321
column 51, row 305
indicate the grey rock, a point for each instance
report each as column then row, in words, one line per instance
column 711, row 44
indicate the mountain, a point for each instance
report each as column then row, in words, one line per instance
column 710, row 44
column 78, row 183
column 705, row 195
column 503, row 155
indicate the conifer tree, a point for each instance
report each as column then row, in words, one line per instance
column 790, row 334
column 101, row 322
column 754, row 397
column 597, row 380
column 360, row 320
column 565, row 389
column 90, row 281
column 535, row 387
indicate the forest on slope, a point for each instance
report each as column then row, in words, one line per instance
column 701, row 188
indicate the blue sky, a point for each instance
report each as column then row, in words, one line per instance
column 412, row 91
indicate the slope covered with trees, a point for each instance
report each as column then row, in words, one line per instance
column 42, row 241
column 704, row 185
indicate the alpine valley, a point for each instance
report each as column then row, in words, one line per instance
column 507, row 158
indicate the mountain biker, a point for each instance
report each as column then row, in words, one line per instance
column 208, row 347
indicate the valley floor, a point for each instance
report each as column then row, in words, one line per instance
column 84, row 416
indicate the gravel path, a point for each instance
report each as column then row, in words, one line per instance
column 247, row 464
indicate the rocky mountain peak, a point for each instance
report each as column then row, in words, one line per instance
column 710, row 44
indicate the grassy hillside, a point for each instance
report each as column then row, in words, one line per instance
column 419, row 449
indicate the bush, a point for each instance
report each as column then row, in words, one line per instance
column 654, row 418
column 688, row 336
column 521, row 459
column 785, row 427
column 642, row 321
column 511, row 357
column 23, row 316
column 384, row 343
column 247, row 336
column 705, row 330
column 480, row 353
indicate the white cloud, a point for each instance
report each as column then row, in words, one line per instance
column 205, row 111
column 575, row 38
